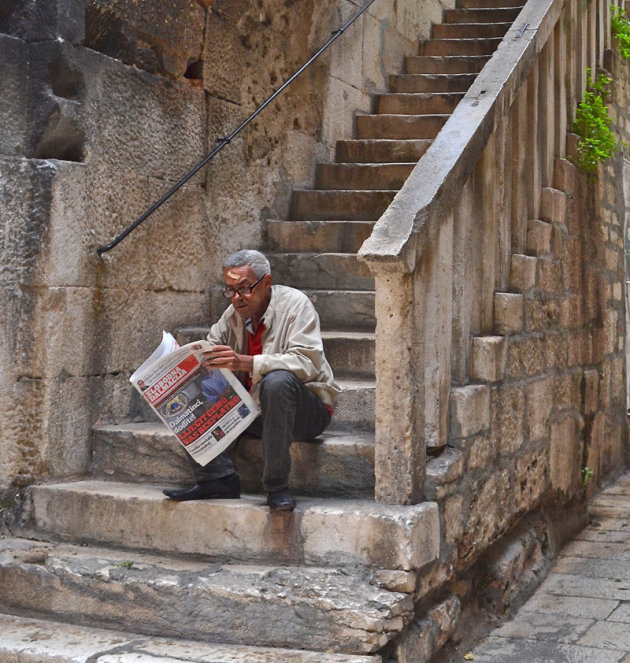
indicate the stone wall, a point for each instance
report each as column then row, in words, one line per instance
column 109, row 102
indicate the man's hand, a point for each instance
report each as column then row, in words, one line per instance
column 222, row 356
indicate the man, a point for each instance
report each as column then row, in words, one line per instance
column 269, row 335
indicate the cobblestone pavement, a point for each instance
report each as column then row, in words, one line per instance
column 581, row 612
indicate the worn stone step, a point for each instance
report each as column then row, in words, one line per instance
column 316, row 205
column 469, row 30
column 431, row 82
column 328, row 236
column 383, row 150
column 445, row 64
column 30, row 640
column 484, row 12
column 362, row 176
column 420, row 103
column 344, row 309
column 321, row 270
column 399, row 126
column 262, row 606
column 458, row 46
column 321, row 531
column 338, row 463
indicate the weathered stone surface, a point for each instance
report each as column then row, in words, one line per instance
column 564, row 455
column 508, row 313
column 488, row 358
column 508, row 411
column 539, row 406
column 155, row 595
column 531, row 472
column 13, row 96
column 522, row 272
column 53, row 642
column 469, row 410
column 38, row 21
column 539, row 237
column 390, row 537
column 447, row 468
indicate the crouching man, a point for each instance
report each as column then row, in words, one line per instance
column 270, row 337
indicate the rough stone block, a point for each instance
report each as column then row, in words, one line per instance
column 488, row 356
column 453, row 518
column 163, row 38
column 508, row 412
column 429, row 634
column 564, row 175
column 555, row 351
column 567, row 391
column 508, row 313
column 549, row 277
column 572, row 264
column 571, row 312
column 526, row 356
column 469, row 411
column 564, row 455
column 522, row 272
column 479, row 449
column 591, row 391
column 13, row 96
column 445, row 469
column 553, row 205
column 541, row 313
column 35, row 21
column 579, row 347
column 539, row 396
column 530, row 478
column 539, row 237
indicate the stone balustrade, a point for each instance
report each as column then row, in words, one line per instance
column 444, row 246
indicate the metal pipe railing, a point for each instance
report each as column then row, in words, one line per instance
column 225, row 141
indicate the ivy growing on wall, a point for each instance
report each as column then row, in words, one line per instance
column 592, row 123
column 620, row 26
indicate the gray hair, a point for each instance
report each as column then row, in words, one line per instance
column 254, row 259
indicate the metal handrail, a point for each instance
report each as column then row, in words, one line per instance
column 225, row 141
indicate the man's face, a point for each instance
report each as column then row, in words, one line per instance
column 253, row 304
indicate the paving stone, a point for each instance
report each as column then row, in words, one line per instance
column 568, row 606
column 577, row 585
column 502, row 650
column 615, row 635
column 621, row 614
column 552, row 627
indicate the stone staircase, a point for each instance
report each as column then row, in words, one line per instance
column 332, row 581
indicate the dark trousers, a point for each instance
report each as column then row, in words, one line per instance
column 289, row 411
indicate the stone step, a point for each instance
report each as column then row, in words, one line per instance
column 307, row 205
column 483, row 12
column 445, row 64
column 328, row 236
column 294, row 607
column 489, row 4
column 338, row 463
column 321, row 531
column 399, row 126
column 422, row 103
column 469, row 30
column 458, row 46
column 372, row 151
column 38, row 640
column 344, row 309
column 348, row 352
column 431, row 82
column 321, row 270
column 363, row 176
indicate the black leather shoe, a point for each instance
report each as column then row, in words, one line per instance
column 218, row 489
column 281, row 500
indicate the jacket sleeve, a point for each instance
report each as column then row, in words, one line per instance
column 220, row 332
column 302, row 350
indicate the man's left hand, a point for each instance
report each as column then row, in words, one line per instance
column 222, row 356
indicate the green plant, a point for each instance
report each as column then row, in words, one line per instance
column 620, row 26
column 587, row 476
column 125, row 564
column 592, row 124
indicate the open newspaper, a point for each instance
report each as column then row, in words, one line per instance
column 207, row 409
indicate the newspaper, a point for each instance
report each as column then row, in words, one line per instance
column 206, row 409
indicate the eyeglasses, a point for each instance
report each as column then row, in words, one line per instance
column 242, row 290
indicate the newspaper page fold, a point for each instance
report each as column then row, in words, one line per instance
column 207, row 409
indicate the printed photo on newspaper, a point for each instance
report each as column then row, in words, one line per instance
column 207, row 409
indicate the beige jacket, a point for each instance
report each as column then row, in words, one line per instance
column 291, row 341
